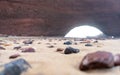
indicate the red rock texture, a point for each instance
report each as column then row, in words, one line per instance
column 97, row 60
column 57, row 17
column 117, row 60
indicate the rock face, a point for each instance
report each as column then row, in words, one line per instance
column 97, row 60
column 57, row 17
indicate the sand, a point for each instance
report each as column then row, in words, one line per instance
column 46, row 61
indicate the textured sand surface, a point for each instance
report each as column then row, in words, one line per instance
column 46, row 61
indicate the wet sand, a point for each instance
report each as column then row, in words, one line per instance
column 46, row 61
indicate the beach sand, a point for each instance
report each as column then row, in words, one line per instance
column 46, row 61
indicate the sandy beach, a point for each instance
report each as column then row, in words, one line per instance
column 46, row 61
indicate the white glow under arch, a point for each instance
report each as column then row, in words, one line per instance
column 84, row 31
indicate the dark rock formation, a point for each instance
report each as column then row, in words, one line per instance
column 117, row 60
column 57, row 17
column 97, row 60
column 70, row 50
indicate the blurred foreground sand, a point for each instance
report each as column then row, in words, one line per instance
column 46, row 61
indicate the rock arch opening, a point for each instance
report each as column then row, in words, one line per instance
column 84, row 32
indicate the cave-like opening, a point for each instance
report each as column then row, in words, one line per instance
column 84, row 32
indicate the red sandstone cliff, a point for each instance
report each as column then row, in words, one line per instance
column 57, row 17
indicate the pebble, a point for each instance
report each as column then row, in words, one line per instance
column 14, row 56
column 51, row 46
column 59, row 49
column 2, row 48
column 88, row 44
column 17, row 47
column 70, row 50
column 29, row 49
column 67, row 43
column 28, row 41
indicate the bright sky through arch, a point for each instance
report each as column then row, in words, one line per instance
column 84, row 31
